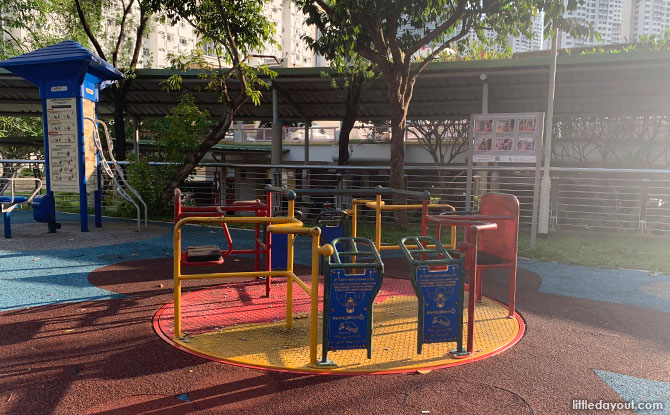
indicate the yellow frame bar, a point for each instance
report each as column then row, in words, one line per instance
column 286, row 225
column 379, row 205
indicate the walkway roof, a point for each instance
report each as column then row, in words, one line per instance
column 636, row 83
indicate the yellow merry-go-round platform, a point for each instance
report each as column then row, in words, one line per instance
column 235, row 323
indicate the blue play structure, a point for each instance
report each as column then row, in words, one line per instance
column 69, row 78
column 9, row 203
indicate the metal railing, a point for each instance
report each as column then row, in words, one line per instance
column 318, row 134
column 289, row 134
column 581, row 198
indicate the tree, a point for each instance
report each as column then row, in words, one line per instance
column 391, row 35
column 232, row 29
column 173, row 139
column 120, row 48
column 22, row 16
column 354, row 71
column 355, row 76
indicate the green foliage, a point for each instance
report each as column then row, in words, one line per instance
column 20, row 127
column 31, row 24
column 230, row 30
column 652, row 43
column 174, row 138
column 235, row 27
column 229, row 39
column 392, row 31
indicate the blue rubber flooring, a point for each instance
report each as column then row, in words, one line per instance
column 609, row 285
column 42, row 277
column 639, row 391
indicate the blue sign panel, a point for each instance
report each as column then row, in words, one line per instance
column 442, row 305
column 349, row 301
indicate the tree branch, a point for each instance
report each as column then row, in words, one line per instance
column 465, row 29
column 122, row 30
column 144, row 18
column 392, row 32
column 89, row 32
column 17, row 42
column 375, row 57
column 325, row 7
column 458, row 13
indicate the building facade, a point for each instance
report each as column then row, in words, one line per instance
column 163, row 39
column 649, row 17
column 605, row 17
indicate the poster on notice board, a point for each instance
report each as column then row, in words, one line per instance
column 507, row 137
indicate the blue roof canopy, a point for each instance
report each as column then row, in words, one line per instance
column 66, row 62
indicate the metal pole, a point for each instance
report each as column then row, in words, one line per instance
column 276, row 130
column 545, row 185
column 485, row 110
column 136, row 137
column 276, row 138
column 307, row 129
column 485, row 94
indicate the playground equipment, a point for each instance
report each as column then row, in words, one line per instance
column 283, row 225
column 116, row 173
column 497, row 248
column 438, row 283
column 468, row 248
column 353, row 276
column 212, row 255
column 380, row 206
column 347, row 321
column 69, row 78
column 331, row 222
column 9, row 203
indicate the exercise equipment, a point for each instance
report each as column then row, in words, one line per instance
column 9, row 202
column 352, row 279
column 69, row 78
column 437, row 280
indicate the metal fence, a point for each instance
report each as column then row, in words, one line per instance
column 581, row 198
column 319, row 134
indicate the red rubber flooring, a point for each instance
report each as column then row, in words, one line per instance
column 104, row 358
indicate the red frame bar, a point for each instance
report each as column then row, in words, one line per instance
column 469, row 249
column 261, row 247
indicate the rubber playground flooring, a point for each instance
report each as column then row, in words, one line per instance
column 76, row 337
column 235, row 323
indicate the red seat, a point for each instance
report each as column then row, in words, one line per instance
column 498, row 248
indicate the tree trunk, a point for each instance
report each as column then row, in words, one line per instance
column 211, row 139
column 397, row 179
column 350, row 116
column 119, row 133
column 120, row 93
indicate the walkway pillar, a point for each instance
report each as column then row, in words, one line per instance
column 276, row 138
column 545, row 184
column 308, row 124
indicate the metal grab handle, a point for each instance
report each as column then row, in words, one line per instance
column 11, row 184
column 111, row 173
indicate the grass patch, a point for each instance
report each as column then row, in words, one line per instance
column 606, row 250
